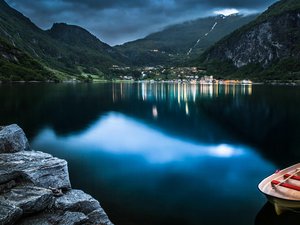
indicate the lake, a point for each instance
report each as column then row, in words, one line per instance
column 159, row 154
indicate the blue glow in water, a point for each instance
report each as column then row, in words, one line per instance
column 133, row 160
column 118, row 134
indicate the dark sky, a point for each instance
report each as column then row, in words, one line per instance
column 119, row 21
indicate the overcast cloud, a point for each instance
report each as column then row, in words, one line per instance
column 119, row 21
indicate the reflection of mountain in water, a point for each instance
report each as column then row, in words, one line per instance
column 174, row 108
column 263, row 116
column 66, row 108
column 268, row 119
column 72, row 108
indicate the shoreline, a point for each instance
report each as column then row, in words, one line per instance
column 268, row 83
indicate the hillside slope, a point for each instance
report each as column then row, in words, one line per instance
column 182, row 41
column 267, row 48
column 16, row 65
column 53, row 51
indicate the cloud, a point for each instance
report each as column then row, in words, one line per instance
column 226, row 12
column 118, row 21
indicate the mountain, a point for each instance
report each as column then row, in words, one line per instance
column 268, row 48
column 16, row 65
column 88, row 49
column 182, row 41
column 76, row 52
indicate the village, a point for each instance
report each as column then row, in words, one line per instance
column 193, row 75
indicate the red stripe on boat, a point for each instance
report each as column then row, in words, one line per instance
column 286, row 185
column 291, row 177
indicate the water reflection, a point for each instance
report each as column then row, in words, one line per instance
column 154, row 112
column 267, row 216
column 116, row 133
column 184, row 101
column 145, row 168
column 163, row 153
column 183, row 92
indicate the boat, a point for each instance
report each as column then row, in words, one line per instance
column 282, row 189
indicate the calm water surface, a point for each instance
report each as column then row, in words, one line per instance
column 159, row 154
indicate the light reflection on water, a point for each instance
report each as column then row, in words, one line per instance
column 183, row 92
column 118, row 134
column 156, row 164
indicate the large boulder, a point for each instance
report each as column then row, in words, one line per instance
column 29, row 198
column 36, row 220
column 9, row 213
column 78, row 201
column 37, row 168
column 40, row 219
column 12, row 139
column 73, row 218
column 58, row 218
column 98, row 217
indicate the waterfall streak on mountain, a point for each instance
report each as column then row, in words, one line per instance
column 191, row 49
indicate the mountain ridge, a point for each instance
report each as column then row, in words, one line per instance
column 172, row 44
column 264, row 49
column 53, row 52
column 233, row 46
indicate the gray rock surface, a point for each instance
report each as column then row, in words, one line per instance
column 35, row 188
column 12, row 139
column 264, row 42
column 37, row 168
column 73, row 218
column 57, row 218
column 77, row 200
column 40, row 219
column 99, row 217
column 29, row 198
column 9, row 213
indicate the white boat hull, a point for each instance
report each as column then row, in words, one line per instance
column 283, row 198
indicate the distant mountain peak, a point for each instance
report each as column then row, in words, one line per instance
column 67, row 26
column 74, row 35
column 64, row 27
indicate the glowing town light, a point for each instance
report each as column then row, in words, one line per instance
column 154, row 112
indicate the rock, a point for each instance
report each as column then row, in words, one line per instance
column 55, row 217
column 56, row 192
column 98, row 217
column 12, row 139
column 7, row 185
column 77, row 200
column 33, row 183
column 33, row 167
column 73, row 218
column 30, row 199
column 40, row 219
column 9, row 213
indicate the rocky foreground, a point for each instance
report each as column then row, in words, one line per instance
column 35, row 187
